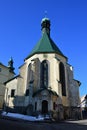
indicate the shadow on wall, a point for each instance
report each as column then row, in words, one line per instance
column 18, row 105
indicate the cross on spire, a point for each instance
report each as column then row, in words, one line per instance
column 45, row 14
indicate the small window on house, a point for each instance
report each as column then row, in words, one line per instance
column 27, row 92
column 12, row 92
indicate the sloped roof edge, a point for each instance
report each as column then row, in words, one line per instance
column 45, row 45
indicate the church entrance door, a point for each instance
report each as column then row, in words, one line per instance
column 44, row 107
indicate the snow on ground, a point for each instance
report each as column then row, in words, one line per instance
column 24, row 117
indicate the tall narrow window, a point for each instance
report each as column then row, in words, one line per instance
column 44, row 74
column 62, row 78
column 12, row 92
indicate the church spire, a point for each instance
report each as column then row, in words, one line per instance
column 45, row 25
column 10, row 65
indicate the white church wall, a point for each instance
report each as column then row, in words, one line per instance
column 53, row 76
column 23, row 75
column 12, row 85
column 50, row 58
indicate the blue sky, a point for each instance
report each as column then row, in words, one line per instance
column 20, row 30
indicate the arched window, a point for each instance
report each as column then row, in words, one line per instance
column 62, row 78
column 44, row 74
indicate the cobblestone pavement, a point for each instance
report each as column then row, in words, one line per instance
column 13, row 124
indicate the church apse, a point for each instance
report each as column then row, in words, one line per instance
column 40, row 83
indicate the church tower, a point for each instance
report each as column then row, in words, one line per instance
column 45, row 84
column 10, row 65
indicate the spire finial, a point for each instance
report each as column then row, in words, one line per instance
column 45, row 24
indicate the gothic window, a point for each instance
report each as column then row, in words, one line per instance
column 44, row 74
column 12, row 92
column 62, row 78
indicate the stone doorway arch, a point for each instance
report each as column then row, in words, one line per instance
column 44, row 107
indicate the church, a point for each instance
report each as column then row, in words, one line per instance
column 45, row 84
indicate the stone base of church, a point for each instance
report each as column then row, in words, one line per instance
column 72, row 113
column 16, row 109
column 67, row 113
column 63, row 112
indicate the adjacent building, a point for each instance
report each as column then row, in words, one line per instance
column 6, row 73
column 45, row 84
column 83, row 106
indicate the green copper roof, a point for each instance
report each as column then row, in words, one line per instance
column 45, row 45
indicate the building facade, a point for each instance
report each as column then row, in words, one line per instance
column 45, row 84
column 6, row 73
column 83, row 106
